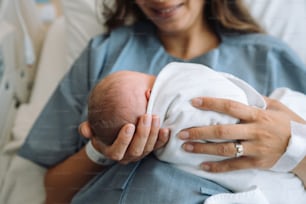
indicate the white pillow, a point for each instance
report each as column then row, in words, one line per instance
column 83, row 23
column 283, row 19
column 24, row 17
column 280, row 18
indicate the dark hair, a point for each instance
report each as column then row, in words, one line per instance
column 230, row 16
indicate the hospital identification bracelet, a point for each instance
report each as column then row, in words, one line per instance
column 97, row 157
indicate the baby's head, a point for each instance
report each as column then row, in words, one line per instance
column 118, row 99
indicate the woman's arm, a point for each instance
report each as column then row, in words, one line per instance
column 300, row 171
column 68, row 177
column 64, row 180
column 264, row 135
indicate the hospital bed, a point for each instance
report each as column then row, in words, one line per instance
column 33, row 59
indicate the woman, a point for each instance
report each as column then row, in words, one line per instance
column 220, row 34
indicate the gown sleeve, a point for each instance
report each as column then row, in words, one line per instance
column 54, row 136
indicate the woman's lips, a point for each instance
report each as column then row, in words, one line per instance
column 166, row 12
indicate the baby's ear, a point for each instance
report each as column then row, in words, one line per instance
column 148, row 93
column 85, row 130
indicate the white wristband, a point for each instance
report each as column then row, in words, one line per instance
column 97, row 157
column 296, row 149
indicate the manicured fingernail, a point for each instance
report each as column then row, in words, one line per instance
column 130, row 130
column 197, row 102
column 183, row 135
column 205, row 167
column 147, row 120
column 188, row 147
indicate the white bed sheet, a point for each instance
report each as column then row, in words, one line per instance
column 21, row 181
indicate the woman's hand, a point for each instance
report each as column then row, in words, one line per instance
column 132, row 143
column 264, row 134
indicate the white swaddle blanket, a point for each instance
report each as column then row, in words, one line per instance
column 170, row 98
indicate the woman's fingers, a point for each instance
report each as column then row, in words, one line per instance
column 229, row 107
column 153, row 136
column 262, row 143
column 141, row 136
column 143, row 140
column 249, row 157
column 84, row 129
column 230, row 164
column 163, row 138
column 118, row 149
column 226, row 149
column 132, row 143
column 150, row 138
column 218, row 132
column 253, row 155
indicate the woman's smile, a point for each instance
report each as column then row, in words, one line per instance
column 167, row 12
column 173, row 16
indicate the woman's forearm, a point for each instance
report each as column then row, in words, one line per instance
column 300, row 171
column 63, row 181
